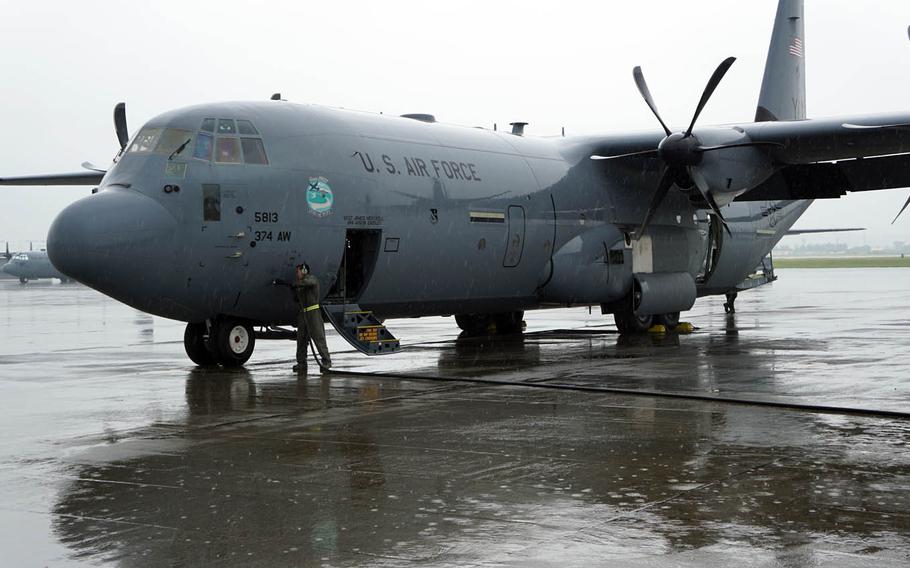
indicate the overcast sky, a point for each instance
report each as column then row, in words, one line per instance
column 65, row 64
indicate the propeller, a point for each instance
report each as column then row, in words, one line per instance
column 904, row 208
column 120, row 125
column 681, row 150
column 7, row 255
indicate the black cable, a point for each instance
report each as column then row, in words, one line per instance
column 644, row 393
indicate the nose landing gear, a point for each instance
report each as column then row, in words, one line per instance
column 225, row 341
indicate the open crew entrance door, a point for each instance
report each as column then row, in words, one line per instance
column 358, row 327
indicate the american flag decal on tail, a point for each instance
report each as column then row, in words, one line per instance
column 796, row 47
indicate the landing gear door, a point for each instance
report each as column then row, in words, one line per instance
column 516, row 236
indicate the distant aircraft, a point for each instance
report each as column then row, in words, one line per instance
column 405, row 217
column 32, row 265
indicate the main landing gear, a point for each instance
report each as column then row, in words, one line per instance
column 628, row 321
column 477, row 324
column 225, row 341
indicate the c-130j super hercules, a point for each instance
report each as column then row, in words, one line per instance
column 401, row 216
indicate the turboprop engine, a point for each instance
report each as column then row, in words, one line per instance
column 721, row 162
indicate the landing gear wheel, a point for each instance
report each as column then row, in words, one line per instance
column 478, row 324
column 233, row 341
column 730, row 304
column 626, row 318
column 509, row 322
column 23, row 280
column 628, row 322
column 195, row 344
column 670, row 321
column 473, row 324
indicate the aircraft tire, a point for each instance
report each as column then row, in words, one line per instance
column 195, row 345
column 234, row 341
column 473, row 324
column 670, row 321
column 23, row 280
column 629, row 322
column 509, row 322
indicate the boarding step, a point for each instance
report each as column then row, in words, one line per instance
column 361, row 329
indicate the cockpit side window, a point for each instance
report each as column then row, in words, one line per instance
column 253, row 151
column 146, row 140
column 226, row 126
column 227, row 150
column 172, row 139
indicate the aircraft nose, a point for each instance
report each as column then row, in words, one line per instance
column 104, row 239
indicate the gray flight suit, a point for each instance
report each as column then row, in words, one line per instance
column 309, row 321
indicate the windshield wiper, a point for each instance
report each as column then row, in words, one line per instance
column 178, row 150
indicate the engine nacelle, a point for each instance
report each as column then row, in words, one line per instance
column 664, row 293
column 729, row 172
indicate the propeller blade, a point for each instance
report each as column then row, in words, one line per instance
column 713, row 82
column 703, row 149
column 92, row 167
column 646, row 94
column 7, row 255
column 120, row 125
column 629, row 155
column 710, row 199
column 663, row 186
column 904, row 208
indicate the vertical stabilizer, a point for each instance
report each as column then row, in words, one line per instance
column 783, row 90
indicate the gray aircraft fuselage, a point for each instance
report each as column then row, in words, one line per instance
column 445, row 219
column 32, row 265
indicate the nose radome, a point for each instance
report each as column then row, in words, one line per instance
column 99, row 237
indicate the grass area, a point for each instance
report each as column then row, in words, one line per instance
column 849, row 262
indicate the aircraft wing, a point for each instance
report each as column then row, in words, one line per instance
column 75, row 178
column 826, row 158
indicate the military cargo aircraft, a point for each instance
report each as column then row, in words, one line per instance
column 32, row 265
column 207, row 206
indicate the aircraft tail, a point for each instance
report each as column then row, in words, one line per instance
column 783, row 90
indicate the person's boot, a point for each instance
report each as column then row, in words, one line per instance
column 299, row 369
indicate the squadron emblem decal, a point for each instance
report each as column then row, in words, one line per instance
column 319, row 197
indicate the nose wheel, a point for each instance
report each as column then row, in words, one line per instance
column 226, row 341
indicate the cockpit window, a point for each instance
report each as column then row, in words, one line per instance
column 226, row 126
column 246, row 127
column 146, row 140
column 204, row 144
column 172, row 139
column 21, row 257
column 253, row 151
column 227, row 150
column 230, row 142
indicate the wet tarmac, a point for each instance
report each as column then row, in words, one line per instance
column 117, row 451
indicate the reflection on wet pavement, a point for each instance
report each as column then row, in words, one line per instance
column 118, row 451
